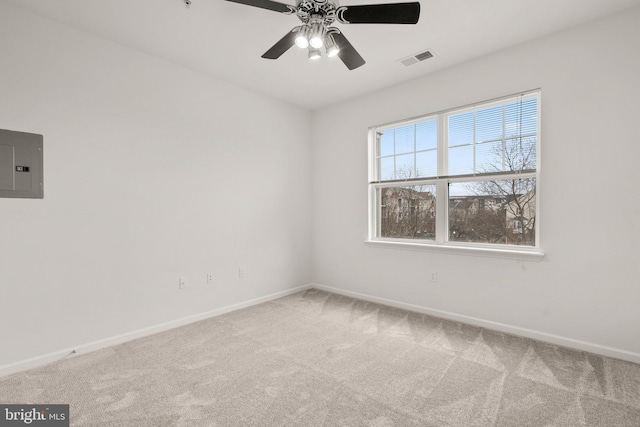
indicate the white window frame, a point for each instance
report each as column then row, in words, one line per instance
column 441, row 243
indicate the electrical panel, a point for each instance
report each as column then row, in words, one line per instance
column 21, row 165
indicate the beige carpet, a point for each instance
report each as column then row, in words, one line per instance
column 320, row 359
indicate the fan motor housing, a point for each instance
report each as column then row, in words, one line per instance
column 321, row 11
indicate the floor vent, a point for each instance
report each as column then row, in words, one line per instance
column 415, row 58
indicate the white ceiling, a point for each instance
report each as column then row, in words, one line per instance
column 225, row 40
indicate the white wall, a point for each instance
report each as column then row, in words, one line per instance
column 587, row 287
column 152, row 172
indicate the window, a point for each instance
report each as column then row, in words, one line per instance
column 460, row 178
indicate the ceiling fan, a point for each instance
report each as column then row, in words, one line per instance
column 316, row 31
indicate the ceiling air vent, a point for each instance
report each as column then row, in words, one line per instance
column 415, row 58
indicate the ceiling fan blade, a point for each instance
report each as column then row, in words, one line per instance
column 281, row 46
column 392, row 13
column 267, row 4
column 347, row 53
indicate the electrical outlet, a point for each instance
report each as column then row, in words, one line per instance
column 241, row 273
column 433, row 278
column 182, row 283
column 209, row 278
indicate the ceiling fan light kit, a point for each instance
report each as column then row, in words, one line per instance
column 317, row 35
column 302, row 38
column 316, row 31
column 331, row 46
column 314, row 53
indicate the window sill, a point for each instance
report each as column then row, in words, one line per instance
column 515, row 254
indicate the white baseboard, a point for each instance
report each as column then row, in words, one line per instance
column 514, row 330
column 37, row 361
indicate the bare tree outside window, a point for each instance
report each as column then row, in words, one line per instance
column 497, row 211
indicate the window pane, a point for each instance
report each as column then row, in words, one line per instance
column 530, row 116
column 427, row 164
column 461, row 160
column 489, row 124
column 497, row 212
column 427, row 135
column 385, row 143
column 461, row 128
column 404, row 139
column 521, row 117
column 520, row 154
column 385, row 168
column 407, row 212
column 489, row 157
column 405, row 167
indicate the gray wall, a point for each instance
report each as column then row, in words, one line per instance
column 585, row 291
